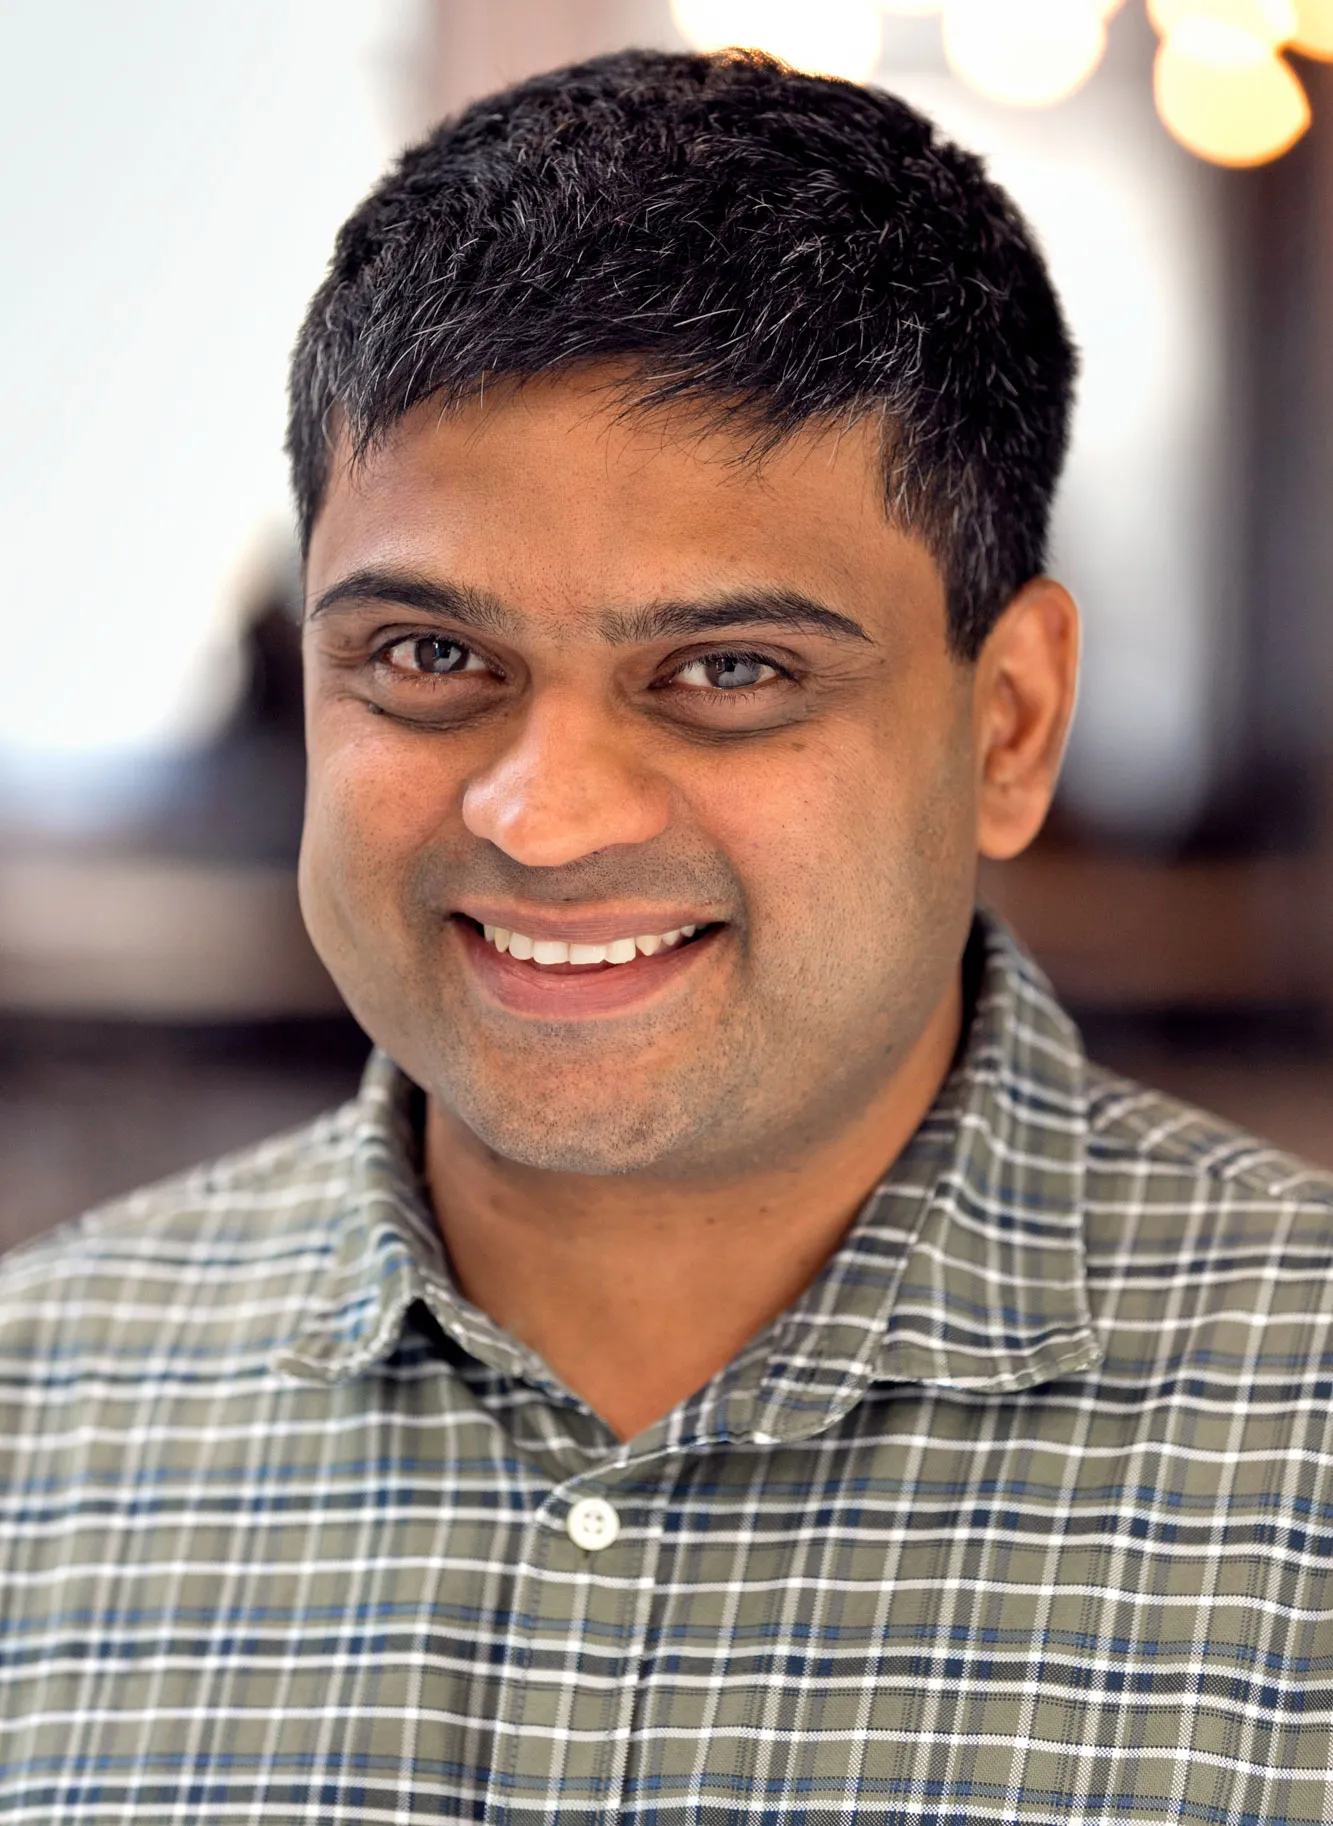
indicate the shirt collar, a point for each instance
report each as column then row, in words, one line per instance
column 963, row 1270
column 382, row 1244
column 994, row 1293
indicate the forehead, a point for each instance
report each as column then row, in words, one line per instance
column 553, row 488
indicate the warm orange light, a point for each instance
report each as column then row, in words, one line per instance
column 1029, row 53
column 834, row 37
column 919, row 9
column 1225, row 97
column 1314, row 28
column 1272, row 22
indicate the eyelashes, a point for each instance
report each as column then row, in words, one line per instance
column 721, row 672
column 432, row 654
column 729, row 664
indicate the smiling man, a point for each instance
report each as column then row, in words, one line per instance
column 735, row 1361
column 669, row 929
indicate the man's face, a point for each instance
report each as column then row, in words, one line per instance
column 593, row 681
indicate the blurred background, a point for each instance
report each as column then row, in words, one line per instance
column 175, row 179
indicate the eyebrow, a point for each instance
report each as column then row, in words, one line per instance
column 446, row 601
column 776, row 608
column 473, row 608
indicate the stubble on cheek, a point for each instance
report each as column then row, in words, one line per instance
column 654, row 1092
column 893, row 908
column 828, row 980
column 352, row 902
column 579, row 1096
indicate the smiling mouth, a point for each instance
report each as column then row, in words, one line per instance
column 558, row 957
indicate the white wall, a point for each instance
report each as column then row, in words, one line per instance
column 1144, row 532
column 173, row 177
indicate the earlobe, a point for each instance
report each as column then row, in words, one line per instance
column 1024, row 701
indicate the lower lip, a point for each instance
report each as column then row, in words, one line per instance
column 560, row 995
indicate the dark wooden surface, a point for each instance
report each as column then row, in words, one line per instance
column 89, row 1111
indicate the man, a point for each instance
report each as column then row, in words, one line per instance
column 735, row 1361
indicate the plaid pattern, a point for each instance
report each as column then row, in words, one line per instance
column 1021, row 1514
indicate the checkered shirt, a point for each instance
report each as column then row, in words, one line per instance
column 1021, row 1513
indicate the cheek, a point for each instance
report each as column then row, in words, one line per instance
column 833, row 795
column 374, row 799
column 856, row 837
column 798, row 827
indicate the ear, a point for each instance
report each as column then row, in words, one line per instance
column 1023, row 701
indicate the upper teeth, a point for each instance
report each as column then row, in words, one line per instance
column 559, row 951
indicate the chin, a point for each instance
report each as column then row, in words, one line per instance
column 594, row 1141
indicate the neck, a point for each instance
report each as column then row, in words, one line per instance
column 637, row 1291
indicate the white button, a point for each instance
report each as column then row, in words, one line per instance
column 592, row 1524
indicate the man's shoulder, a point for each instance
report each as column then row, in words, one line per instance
column 1175, row 1195
column 233, row 1242
column 1164, row 1140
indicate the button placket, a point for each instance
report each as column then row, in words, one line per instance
column 583, row 1594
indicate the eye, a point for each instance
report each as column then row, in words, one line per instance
column 430, row 655
column 726, row 672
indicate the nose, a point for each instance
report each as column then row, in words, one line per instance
column 568, row 784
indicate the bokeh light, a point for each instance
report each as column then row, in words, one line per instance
column 1314, row 28
column 1227, row 97
column 1028, row 53
column 833, row 37
column 1271, row 22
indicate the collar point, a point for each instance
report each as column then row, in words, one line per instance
column 1070, row 1354
column 293, row 1364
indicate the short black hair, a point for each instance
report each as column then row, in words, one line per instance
column 779, row 248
